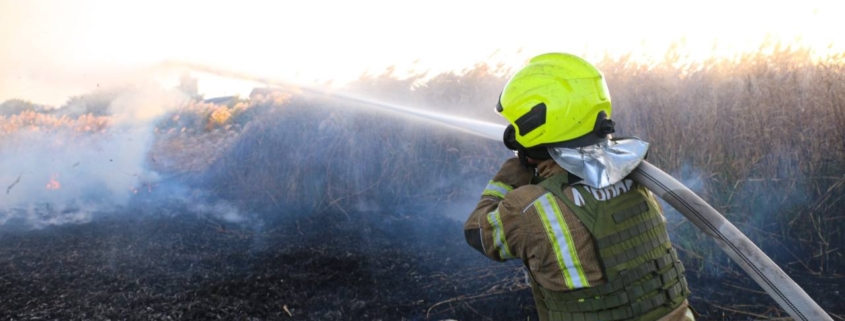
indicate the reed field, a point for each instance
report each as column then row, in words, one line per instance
column 760, row 136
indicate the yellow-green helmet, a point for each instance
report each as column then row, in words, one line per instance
column 557, row 100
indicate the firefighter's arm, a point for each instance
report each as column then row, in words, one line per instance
column 485, row 227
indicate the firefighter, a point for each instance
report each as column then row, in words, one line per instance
column 594, row 242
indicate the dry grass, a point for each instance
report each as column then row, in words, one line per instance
column 763, row 135
column 35, row 121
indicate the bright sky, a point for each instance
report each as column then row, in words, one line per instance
column 54, row 49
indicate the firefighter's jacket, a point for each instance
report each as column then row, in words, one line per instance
column 616, row 264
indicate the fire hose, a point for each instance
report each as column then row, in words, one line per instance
column 791, row 297
column 739, row 248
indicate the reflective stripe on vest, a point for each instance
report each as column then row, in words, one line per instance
column 497, row 189
column 562, row 244
column 499, row 240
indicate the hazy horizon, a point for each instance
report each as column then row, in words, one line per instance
column 57, row 49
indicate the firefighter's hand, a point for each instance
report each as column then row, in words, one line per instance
column 514, row 173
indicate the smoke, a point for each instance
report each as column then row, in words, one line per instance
column 59, row 174
column 71, row 173
column 693, row 178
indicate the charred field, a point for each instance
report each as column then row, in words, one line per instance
column 321, row 268
column 329, row 267
column 292, row 206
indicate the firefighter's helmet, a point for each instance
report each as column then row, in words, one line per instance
column 557, row 100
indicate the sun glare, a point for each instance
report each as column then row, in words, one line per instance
column 68, row 47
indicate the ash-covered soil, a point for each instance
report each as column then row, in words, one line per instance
column 328, row 267
column 318, row 267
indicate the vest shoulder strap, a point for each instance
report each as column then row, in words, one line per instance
column 556, row 184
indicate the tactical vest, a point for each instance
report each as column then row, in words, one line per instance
column 645, row 279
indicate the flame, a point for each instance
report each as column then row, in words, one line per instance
column 54, row 184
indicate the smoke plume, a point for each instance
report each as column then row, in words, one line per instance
column 59, row 171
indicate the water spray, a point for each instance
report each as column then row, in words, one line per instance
column 791, row 297
column 471, row 126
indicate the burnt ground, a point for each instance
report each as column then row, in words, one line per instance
column 319, row 267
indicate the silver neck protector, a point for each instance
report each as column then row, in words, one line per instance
column 602, row 164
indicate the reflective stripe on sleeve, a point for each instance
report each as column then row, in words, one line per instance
column 499, row 240
column 689, row 315
column 562, row 244
column 497, row 189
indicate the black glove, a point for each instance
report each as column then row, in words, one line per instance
column 536, row 153
column 514, row 173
